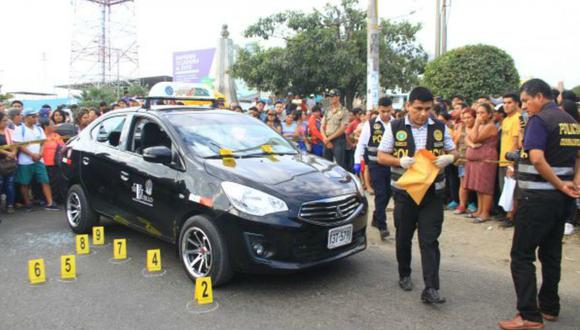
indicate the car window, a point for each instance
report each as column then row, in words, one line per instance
column 147, row 133
column 109, row 131
column 205, row 134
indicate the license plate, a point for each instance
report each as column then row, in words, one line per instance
column 339, row 236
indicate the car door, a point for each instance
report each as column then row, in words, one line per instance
column 100, row 159
column 150, row 190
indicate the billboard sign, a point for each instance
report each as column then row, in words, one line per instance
column 192, row 66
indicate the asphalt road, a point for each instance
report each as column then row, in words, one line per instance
column 357, row 293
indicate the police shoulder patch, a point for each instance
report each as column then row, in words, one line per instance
column 401, row 135
column 438, row 135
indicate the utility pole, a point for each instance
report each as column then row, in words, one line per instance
column 373, row 36
column 444, row 28
column 437, row 28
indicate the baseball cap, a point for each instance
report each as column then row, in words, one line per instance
column 29, row 112
column 44, row 113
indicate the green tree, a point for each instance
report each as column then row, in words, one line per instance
column 327, row 49
column 92, row 96
column 472, row 71
column 137, row 90
column 576, row 90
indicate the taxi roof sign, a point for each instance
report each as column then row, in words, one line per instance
column 180, row 91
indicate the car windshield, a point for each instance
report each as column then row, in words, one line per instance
column 209, row 133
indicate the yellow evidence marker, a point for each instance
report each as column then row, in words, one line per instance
column 36, row 272
column 68, row 268
column 120, row 249
column 203, row 291
column 83, row 244
column 98, row 235
column 153, row 260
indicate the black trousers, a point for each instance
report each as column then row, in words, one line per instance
column 452, row 187
column 381, row 182
column 539, row 224
column 428, row 219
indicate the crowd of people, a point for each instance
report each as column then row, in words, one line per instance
column 484, row 131
column 31, row 143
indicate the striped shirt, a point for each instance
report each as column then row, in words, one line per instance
column 419, row 136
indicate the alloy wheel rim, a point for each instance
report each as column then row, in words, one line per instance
column 73, row 209
column 197, row 252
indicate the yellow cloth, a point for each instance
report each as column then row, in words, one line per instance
column 417, row 179
column 510, row 128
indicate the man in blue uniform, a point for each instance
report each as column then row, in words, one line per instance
column 370, row 138
column 548, row 179
column 403, row 138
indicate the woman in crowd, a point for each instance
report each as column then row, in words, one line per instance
column 365, row 175
column 273, row 122
column 289, row 127
column 481, row 166
column 94, row 113
column 302, row 121
column 7, row 156
column 49, row 154
column 462, row 143
column 58, row 117
column 82, row 119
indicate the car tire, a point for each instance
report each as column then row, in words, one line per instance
column 80, row 216
column 218, row 267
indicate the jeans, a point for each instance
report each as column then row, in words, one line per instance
column 7, row 185
column 317, row 149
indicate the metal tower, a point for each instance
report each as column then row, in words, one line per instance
column 104, row 47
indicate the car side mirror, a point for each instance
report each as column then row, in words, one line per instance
column 159, row 154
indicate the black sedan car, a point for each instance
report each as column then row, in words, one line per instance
column 230, row 192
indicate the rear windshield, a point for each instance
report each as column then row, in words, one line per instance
column 206, row 134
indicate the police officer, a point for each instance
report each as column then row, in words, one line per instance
column 545, row 176
column 370, row 138
column 333, row 127
column 403, row 138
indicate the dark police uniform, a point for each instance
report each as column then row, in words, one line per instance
column 540, row 217
column 380, row 175
column 404, row 140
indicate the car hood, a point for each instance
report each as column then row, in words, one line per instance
column 301, row 176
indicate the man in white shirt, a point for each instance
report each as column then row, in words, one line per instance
column 30, row 163
column 370, row 138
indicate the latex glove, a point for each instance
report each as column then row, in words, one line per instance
column 356, row 168
column 444, row 161
column 407, row 162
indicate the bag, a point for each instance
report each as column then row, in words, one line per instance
column 7, row 166
column 506, row 200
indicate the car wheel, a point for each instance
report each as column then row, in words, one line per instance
column 203, row 251
column 81, row 217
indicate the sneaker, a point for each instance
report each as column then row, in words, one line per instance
column 459, row 210
column 29, row 208
column 452, row 206
column 52, row 207
column 471, row 208
column 506, row 223
column 569, row 229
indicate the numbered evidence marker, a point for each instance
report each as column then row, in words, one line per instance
column 203, row 291
column 68, row 268
column 36, row 272
column 98, row 235
column 120, row 249
column 83, row 244
column 153, row 260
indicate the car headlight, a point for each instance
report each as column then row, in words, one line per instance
column 252, row 201
column 358, row 184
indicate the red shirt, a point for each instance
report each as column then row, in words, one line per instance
column 315, row 134
column 49, row 148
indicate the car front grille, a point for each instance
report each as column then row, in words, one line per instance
column 330, row 211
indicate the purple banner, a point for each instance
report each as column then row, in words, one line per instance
column 192, row 66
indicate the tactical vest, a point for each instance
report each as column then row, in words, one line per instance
column 377, row 130
column 404, row 145
column 562, row 145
